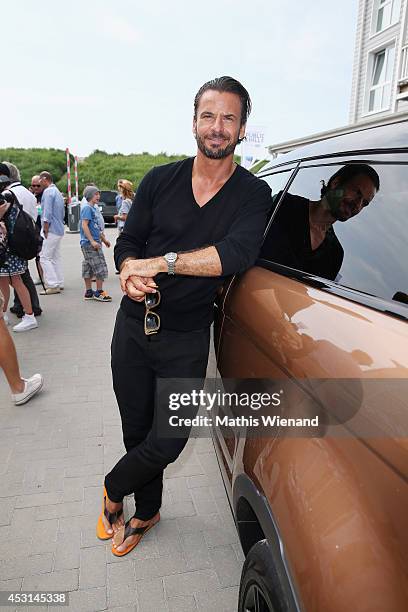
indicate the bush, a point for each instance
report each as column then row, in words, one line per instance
column 101, row 168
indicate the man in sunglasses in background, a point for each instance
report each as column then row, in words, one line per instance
column 192, row 223
column 37, row 189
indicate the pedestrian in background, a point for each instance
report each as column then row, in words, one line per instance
column 127, row 195
column 118, row 199
column 52, row 221
column 94, row 263
column 13, row 266
column 37, row 191
column 28, row 202
column 22, row 389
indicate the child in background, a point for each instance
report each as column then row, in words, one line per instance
column 94, row 263
column 126, row 192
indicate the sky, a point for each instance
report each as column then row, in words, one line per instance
column 121, row 75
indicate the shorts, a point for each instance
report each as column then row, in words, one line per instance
column 94, row 263
column 1, row 305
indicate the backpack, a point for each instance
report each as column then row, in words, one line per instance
column 24, row 239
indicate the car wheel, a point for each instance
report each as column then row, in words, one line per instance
column 259, row 588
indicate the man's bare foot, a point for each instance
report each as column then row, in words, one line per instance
column 113, row 507
column 120, row 545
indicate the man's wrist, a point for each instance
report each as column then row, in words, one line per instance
column 124, row 262
column 162, row 264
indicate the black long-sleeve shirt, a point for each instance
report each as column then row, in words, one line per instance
column 288, row 241
column 165, row 217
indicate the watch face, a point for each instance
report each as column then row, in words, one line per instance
column 171, row 257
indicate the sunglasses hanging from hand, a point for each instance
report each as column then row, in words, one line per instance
column 152, row 319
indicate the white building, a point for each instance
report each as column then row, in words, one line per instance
column 380, row 71
column 379, row 92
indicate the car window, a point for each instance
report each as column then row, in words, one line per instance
column 108, row 197
column 277, row 182
column 343, row 229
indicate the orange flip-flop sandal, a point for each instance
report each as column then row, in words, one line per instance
column 129, row 531
column 112, row 517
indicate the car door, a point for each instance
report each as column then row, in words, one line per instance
column 236, row 352
column 324, row 336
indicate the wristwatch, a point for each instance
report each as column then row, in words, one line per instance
column 171, row 259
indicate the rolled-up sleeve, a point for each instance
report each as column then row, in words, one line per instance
column 46, row 205
column 239, row 249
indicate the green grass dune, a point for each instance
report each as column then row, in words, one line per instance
column 101, row 168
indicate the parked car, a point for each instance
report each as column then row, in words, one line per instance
column 107, row 205
column 322, row 518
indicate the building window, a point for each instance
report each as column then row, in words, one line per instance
column 380, row 81
column 386, row 13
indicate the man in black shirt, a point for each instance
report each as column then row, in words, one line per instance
column 302, row 235
column 192, row 223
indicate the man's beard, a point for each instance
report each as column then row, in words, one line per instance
column 216, row 153
column 335, row 198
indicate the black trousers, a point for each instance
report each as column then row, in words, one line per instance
column 29, row 283
column 138, row 361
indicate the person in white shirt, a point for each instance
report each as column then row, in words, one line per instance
column 29, row 203
column 52, row 221
column 24, row 196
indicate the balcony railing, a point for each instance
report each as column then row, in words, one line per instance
column 403, row 75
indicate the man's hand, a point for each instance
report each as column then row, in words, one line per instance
column 95, row 245
column 141, row 268
column 138, row 286
column 46, row 227
column 107, row 243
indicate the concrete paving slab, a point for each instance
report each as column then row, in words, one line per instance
column 54, row 454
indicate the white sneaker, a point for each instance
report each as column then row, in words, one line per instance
column 50, row 291
column 27, row 322
column 31, row 386
column 6, row 319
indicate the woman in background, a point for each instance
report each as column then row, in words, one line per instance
column 127, row 195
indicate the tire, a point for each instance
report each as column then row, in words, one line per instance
column 259, row 589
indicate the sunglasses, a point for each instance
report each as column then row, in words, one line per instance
column 152, row 319
column 35, row 185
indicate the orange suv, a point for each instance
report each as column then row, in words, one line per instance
column 322, row 512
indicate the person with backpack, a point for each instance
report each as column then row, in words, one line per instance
column 29, row 203
column 12, row 266
column 53, row 231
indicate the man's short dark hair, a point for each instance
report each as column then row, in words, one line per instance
column 46, row 175
column 229, row 85
column 4, row 170
column 349, row 171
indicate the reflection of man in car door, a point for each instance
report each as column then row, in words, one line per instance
column 302, row 234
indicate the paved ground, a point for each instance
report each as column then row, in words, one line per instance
column 53, row 456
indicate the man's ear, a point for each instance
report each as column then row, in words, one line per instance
column 242, row 131
column 194, row 128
